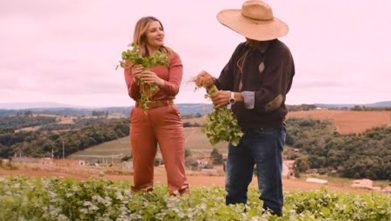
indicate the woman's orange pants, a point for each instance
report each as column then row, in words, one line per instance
column 149, row 128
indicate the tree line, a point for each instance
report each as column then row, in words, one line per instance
column 11, row 123
column 61, row 143
column 315, row 145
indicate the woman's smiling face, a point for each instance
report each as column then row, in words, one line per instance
column 155, row 35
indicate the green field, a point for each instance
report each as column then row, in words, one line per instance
column 195, row 141
column 114, row 149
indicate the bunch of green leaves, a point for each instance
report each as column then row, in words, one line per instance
column 221, row 124
column 70, row 199
column 133, row 55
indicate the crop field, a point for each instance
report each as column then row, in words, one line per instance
column 347, row 122
column 195, row 141
column 69, row 199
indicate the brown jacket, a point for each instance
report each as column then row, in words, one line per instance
column 263, row 74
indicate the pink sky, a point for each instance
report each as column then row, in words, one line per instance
column 66, row 51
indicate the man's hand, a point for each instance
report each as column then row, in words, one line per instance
column 204, row 79
column 220, row 98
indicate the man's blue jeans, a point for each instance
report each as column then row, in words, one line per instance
column 263, row 148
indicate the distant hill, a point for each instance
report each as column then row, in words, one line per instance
column 30, row 105
column 67, row 111
column 195, row 109
column 185, row 109
column 382, row 104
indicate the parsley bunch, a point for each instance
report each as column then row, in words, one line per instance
column 147, row 90
column 221, row 124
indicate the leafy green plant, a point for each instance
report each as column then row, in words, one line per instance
column 221, row 124
column 132, row 55
column 68, row 199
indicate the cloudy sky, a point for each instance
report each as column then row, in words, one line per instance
column 66, row 50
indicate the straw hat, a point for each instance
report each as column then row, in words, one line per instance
column 255, row 21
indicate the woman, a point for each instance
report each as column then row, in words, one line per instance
column 160, row 123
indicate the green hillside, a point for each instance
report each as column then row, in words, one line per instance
column 115, row 149
column 195, row 141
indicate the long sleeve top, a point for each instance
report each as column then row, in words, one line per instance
column 172, row 76
column 263, row 74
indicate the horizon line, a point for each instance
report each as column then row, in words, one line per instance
column 37, row 105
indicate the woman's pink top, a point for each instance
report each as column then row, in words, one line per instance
column 172, row 75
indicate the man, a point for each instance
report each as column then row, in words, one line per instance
column 255, row 82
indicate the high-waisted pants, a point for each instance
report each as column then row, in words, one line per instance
column 158, row 126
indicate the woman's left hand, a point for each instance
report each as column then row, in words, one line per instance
column 151, row 77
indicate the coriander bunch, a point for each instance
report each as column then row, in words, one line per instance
column 147, row 90
column 221, row 124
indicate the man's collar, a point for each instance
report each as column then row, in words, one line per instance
column 260, row 46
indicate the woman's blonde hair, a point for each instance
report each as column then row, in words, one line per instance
column 140, row 34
